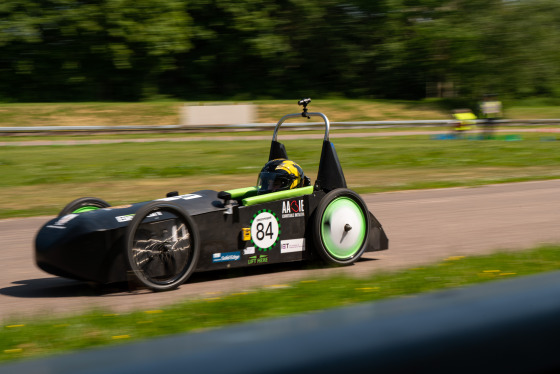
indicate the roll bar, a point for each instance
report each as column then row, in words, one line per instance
column 329, row 175
column 304, row 114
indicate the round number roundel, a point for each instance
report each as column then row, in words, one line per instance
column 264, row 230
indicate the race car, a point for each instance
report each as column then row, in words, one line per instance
column 158, row 244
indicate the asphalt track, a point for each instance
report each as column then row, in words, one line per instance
column 423, row 227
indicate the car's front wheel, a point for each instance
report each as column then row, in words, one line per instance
column 340, row 227
column 83, row 204
column 162, row 246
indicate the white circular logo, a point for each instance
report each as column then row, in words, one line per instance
column 264, row 230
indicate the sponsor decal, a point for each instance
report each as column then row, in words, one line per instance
column 292, row 245
column 265, row 229
column 64, row 220
column 225, row 257
column 60, row 224
column 126, row 218
column 258, row 259
column 249, row 251
column 181, row 197
column 129, row 217
column 246, row 234
column 293, row 208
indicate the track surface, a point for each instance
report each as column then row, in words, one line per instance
column 423, row 227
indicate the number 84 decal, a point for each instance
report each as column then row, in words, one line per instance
column 265, row 229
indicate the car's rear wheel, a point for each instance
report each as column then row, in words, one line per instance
column 340, row 227
column 83, row 204
column 161, row 246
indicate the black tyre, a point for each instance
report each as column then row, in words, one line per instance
column 161, row 246
column 341, row 227
column 84, row 204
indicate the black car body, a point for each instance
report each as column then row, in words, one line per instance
column 160, row 243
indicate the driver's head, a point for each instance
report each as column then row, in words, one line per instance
column 280, row 175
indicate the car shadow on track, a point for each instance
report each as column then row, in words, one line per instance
column 57, row 287
column 53, row 287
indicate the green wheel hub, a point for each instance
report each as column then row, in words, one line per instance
column 343, row 228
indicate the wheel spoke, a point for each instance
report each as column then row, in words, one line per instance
column 163, row 255
column 162, row 245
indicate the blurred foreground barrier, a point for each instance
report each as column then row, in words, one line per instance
column 499, row 327
column 257, row 126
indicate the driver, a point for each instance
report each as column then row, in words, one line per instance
column 279, row 175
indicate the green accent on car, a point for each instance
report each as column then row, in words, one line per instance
column 273, row 196
column 331, row 246
column 242, row 193
column 84, row 209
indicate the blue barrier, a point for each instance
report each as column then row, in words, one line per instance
column 500, row 327
column 507, row 138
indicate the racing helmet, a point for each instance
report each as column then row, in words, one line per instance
column 279, row 175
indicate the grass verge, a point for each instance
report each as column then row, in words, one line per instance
column 43, row 336
column 168, row 112
column 34, row 177
column 157, row 113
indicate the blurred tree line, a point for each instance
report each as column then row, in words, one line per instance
column 66, row 50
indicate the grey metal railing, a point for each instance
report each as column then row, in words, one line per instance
column 252, row 126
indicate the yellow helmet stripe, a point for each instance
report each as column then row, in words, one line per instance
column 291, row 168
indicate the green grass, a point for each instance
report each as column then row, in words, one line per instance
column 46, row 335
column 268, row 111
column 27, row 166
column 167, row 112
column 89, row 114
column 34, row 178
column 536, row 108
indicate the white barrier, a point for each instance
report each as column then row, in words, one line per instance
column 204, row 115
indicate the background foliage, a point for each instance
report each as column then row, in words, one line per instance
column 67, row 50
